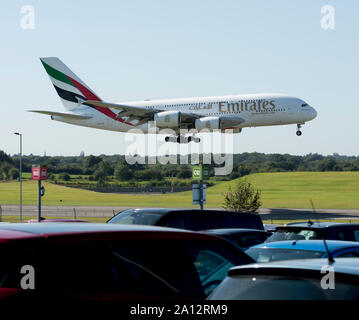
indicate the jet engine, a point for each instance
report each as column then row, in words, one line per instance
column 167, row 119
column 214, row 123
column 210, row 123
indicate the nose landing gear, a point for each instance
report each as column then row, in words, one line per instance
column 298, row 133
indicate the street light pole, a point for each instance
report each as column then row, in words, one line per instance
column 19, row 134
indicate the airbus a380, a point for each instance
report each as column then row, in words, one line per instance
column 85, row 108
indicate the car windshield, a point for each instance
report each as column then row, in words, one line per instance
column 281, row 288
column 136, row 217
column 295, row 234
column 277, row 254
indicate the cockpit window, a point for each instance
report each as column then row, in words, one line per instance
column 304, row 104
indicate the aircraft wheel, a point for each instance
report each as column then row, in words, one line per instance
column 299, row 133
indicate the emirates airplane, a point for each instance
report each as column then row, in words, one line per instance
column 85, row 108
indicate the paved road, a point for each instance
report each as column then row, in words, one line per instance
column 82, row 211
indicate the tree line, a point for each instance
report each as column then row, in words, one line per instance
column 100, row 168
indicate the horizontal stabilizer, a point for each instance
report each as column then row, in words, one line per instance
column 64, row 115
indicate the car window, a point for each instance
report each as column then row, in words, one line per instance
column 221, row 220
column 277, row 254
column 341, row 235
column 66, row 267
column 352, row 254
column 281, row 288
column 175, row 221
column 356, row 235
column 151, row 268
column 212, row 264
column 344, row 235
column 250, row 240
column 136, row 217
column 296, row 234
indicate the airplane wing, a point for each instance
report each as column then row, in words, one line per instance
column 144, row 114
column 134, row 113
column 61, row 114
column 138, row 113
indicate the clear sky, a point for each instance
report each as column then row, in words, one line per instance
column 134, row 50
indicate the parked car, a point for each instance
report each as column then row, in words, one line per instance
column 188, row 219
column 44, row 220
column 240, row 237
column 113, row 262
column 297, row 249
column 316, row 230
column 291, row 280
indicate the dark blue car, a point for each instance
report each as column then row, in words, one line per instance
column 315, row 230
column 310, row 249
column 188, row 219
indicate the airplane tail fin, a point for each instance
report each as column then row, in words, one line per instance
column 70, row 88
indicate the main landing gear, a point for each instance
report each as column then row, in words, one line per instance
column 298, row 133
column 182, row 139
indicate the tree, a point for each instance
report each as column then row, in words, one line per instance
column 5, row 170
column 123, row 173
column 91, row 161
column 14, row 173
column 105, row 167
column 184, row 173
column 243, row 198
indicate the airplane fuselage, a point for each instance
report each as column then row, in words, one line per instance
column 256, row 109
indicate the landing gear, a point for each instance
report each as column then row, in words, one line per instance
column 182, row 139
column 298, row 133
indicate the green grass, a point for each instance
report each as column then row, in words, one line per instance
column 329, row 190
column 337, row 190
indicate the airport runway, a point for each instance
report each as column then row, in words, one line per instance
column 267, row 214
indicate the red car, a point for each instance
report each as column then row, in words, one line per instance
column 111, row 262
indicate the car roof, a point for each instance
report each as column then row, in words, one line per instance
column 233, row 230
column 312, row 245
column 295, row 267
column 318, row 225
column 24, row 230
column 164, row 211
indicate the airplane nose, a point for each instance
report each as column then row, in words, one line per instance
column 313, row 113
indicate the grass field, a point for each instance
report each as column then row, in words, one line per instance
column 336, row 190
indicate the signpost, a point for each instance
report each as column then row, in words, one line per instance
column 39, row 173
column 199, row 194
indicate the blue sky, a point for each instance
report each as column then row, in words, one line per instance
column 133, row 50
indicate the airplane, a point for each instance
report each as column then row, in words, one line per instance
column 235, row 112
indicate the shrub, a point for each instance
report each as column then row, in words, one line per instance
column 242, row 198
column 64, row 176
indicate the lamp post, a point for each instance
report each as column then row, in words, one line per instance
column 20, row 135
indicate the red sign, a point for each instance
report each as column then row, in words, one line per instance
column 38, row 173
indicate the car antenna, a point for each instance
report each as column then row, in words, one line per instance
column 330, row 257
